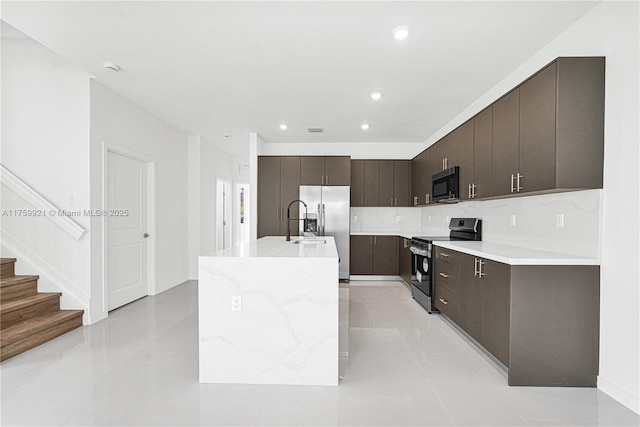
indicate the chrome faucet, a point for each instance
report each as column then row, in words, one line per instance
column 306, row 213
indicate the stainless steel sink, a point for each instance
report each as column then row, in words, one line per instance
column 310, row 242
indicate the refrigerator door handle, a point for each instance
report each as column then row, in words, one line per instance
column 323, row 218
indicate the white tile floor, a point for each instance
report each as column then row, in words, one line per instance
column 139, row 367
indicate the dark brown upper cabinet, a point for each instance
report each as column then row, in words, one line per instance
column 325, row 170
column 420, row 179
column 482, row 157
column 560, row 130
column 278, row 185
column 380, row 182
column 537, row 149
column 506, row 130
column 463, row 138
column 357, row 182
column 545, row 135
column 402, row 182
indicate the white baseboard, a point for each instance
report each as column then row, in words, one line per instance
column 49, row 273
column 627, row 399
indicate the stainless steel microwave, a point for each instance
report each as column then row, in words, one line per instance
column 446, row 185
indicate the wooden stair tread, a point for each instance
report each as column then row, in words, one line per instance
column 8, row 306
column 37, row 324
column 15, row 280
column 7, row 260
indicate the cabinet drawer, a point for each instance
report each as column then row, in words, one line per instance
column 448, row 303
column 448, row 256
column 448, row 276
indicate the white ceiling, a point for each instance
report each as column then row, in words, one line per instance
column 211, row 68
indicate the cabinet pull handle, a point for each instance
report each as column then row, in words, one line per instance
column 371, row 240
column 444, row 275
column 327, row 180
column 473, row 190
column 475, row 267
column 375, row 240
column 444, row 255
column 278, row 213
column 512, row 178
column 395, row 201
column 469, row 190
column 444, row 301
column 392, row 201
column 480, row 264
column 415, row 200
column 518, row 182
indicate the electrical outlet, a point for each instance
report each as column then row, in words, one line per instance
column 560, row 220
column 512, row 220
column 355, row 218
column 429, row 218
column 236, row 303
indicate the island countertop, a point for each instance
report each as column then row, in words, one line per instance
column 278, row 247
column 268, row 313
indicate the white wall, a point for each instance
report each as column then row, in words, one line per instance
column 214, row 164
column 611, row 30
column 357, row 150
column 207, row 163
column 45, row 133
column 116, row 122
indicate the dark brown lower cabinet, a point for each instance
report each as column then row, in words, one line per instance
column 540, row 321
column 361, row 255
column 405, row 259
column 374, row 255
column 494, row 290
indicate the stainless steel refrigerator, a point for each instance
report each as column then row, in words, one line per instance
column 331, row 206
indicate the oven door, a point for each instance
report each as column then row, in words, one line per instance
column 423, row 273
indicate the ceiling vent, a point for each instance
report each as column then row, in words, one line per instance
column 315, row 130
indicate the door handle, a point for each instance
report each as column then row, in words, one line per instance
column 145, row 235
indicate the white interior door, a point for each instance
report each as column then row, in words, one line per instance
column 127, row 222
column 223, row 214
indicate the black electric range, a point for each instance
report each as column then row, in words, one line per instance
column 422, row 249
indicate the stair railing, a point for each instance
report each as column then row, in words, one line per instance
column 40, row 203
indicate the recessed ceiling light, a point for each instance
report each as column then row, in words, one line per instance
column 111, row 66
column 375, row 95
column 364, row 126
column 401, row 33
column 226, row 135
column 283, row 126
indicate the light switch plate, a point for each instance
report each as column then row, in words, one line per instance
column 512, row 220
column 560, row 220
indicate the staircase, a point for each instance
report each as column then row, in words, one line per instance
column 29, row 318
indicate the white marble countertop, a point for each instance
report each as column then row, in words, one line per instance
column 405, row 234
column 278, row 247
column 514, row 255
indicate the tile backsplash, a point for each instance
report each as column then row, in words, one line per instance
column 365, row 219
column 566, row 222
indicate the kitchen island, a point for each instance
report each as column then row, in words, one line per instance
column 268, row 313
